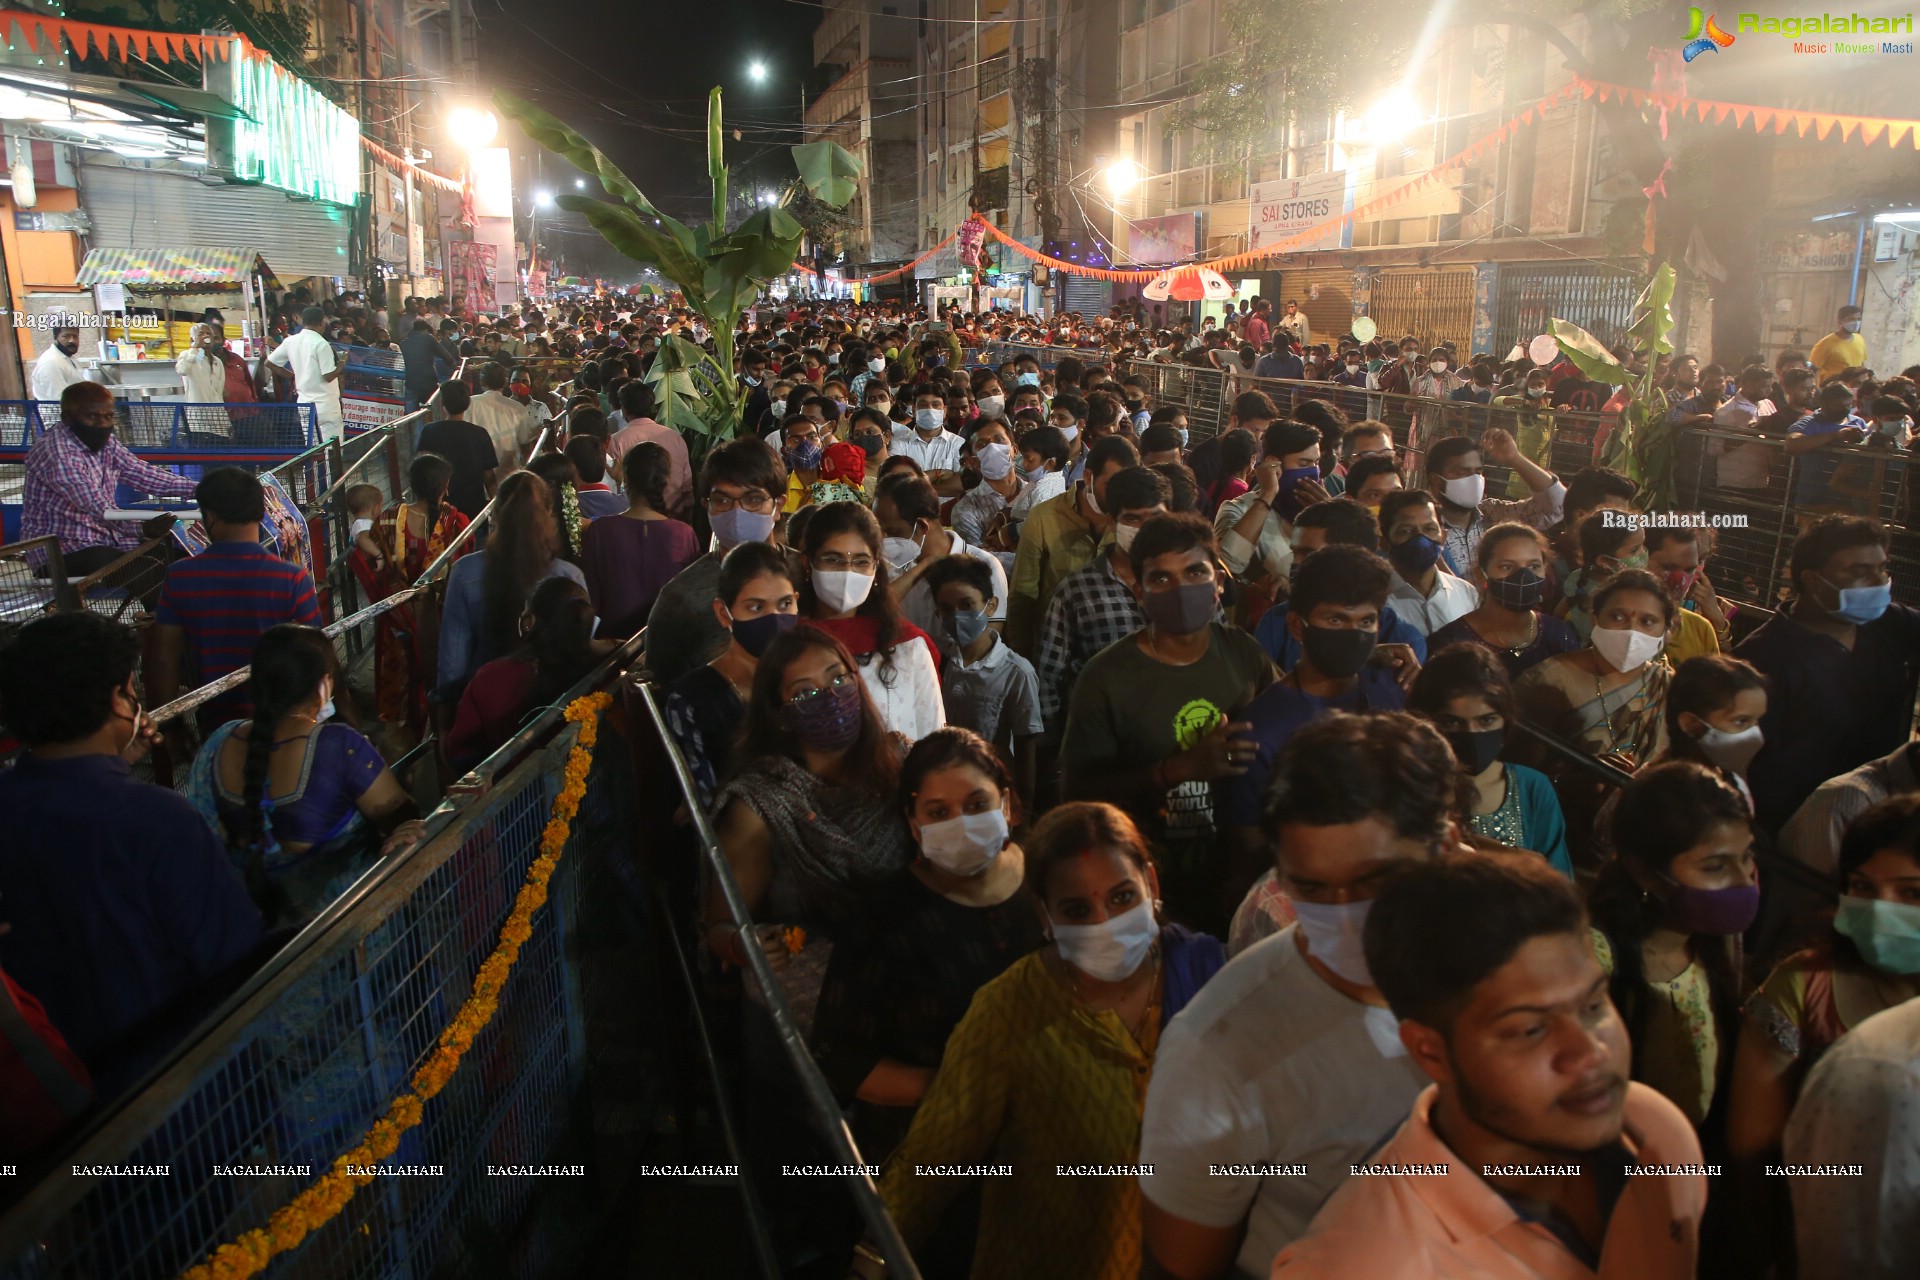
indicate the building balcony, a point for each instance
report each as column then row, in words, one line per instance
column 840, row 24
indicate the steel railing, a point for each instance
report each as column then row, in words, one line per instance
column 826, row 1111
column 243, row 427
column 293, row 1067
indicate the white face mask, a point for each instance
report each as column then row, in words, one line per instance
column 779, row 408
column 1438, row 366
column 929, row 420
column 1334, row 932
column 996, row 461
column 841, row 589
column 1123, row 536
column 1627, row 650
column 1733, row 751
column 991, row 406
column 326, row 705
column 1071, row 433
column 966, row 845
column 1466, row 491
column 900, row 553
column 1111, row 950
column 878, row 364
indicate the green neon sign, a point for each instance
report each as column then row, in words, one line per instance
column 301, row 142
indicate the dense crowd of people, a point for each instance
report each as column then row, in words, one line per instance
column 1325, row 848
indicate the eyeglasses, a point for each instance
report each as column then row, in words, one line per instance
column 756, row 502
column 834, row 563
column 833, row 684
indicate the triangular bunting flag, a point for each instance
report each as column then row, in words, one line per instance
column 1847, row 126
column 1823, row 125
column 1702, row 106
column 1801, row 120
column 1720, row 110
column 1587, row 88
column 1640, row 98
column 1604, row 91
column 1870, row 130
column 1743, row 114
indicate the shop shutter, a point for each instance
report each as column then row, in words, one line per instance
column 152, row 209
column 1090, row 297
column 1434, row 305
column 1526, row 296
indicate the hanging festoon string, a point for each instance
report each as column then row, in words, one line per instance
column 808, row 268
column 115, row 44
column 397, row 162
column 1869, row 129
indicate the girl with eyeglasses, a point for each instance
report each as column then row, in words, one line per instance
column 846, row 593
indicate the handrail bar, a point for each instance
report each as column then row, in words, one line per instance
column 880, row 1224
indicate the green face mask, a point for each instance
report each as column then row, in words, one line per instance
column 1887, row 933
column 1638, row 560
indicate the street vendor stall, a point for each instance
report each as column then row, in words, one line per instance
column 159, row 295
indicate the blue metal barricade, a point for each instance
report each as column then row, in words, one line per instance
column 175, row 425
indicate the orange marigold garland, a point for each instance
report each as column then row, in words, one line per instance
column 322, row 1202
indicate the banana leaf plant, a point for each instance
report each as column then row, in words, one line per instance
column 719, row 272
column 1644, row 448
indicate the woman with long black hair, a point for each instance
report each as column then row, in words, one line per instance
column 302, row 800
column 487, row 593
column 556, row 649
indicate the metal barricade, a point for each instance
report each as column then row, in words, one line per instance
column 295, row 1066
column 186, row 427
column 33, row 582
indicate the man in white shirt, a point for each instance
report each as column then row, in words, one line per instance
column 1423, row 594
column 316, row 371
column 56, row 369
column 1860, row 1108
column 1287, row 1067
column 1745, row 465
column 510, row 423
column 1294, row 323
column 929, row 443
column 999, row 486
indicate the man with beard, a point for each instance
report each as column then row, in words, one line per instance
column 1531, row 1154
column 57, row 369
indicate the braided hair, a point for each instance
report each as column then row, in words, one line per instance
column 428, row 476
column 288, row 665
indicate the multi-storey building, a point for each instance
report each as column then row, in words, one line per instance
column 865, row 51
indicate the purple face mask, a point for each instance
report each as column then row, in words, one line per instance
column 1719, row 912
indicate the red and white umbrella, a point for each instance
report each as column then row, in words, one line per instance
column 1189, row 285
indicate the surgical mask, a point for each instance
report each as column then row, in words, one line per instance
column 1071, row 433
column 1353, row 366
column 1733, row 751
column 1338, row 652
column 1123, row 536
column 778, row 408
column 929, row 420
column 1111, row 950
column 878, row 364
column 1182, row 610
column 1534, row 393
column 1719, row 912
column 964, row 626
column 804, row 456
column 1334, row 931
column 1438, row 366
column 841, row 590
column 829, row 720
column 883, row 405
column 756, row 634
column 900, row 553
column 1027, row 380
column 739, row 525
column 990, row 406
column 1142, row 420
column 1858, row 605
column 326, row 707
column 1625, row 649
column 1476, row 749
column 1851, row 326
column 1036, row 475
column 359, row 527
column 1887, row 933
column 1466, row 491
column 966, row 845
column 1414, row 556
column 996, row 461
column 750, row 380
column 1183, row 437
column 1521, row 591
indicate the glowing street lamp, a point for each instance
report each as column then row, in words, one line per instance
column 1122, row 177
column 579, row 184
column 543, row 199
column 471, row 128
column 757, row 71
column 1391, row 118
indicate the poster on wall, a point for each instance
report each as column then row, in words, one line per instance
column 1161, row 241
column 472, row 265
column 1288, row 206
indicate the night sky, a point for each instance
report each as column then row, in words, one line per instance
column 633, row 78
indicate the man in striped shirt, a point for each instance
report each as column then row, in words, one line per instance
column 216, row 604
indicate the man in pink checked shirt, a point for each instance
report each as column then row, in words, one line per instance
column 73, row 472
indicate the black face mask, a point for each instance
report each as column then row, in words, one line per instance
column 95, row 438
column 1338, row 652
column 1475, row 750
column 1520, row 591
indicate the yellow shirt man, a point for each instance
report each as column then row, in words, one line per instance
column 1839, row 351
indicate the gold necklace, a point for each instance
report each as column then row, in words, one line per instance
column 1153, row 997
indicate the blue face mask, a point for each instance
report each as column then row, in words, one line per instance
column 1861, row 605
column 1027, row 380
column 735, row 526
